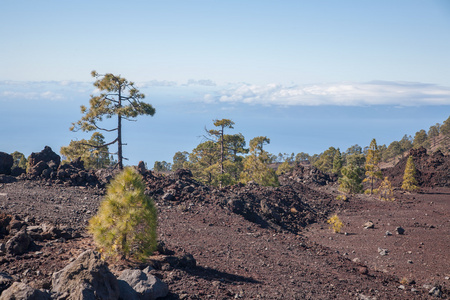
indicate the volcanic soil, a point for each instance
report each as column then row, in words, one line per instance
column 282, row 249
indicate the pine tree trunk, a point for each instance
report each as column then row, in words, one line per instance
column 119, row 134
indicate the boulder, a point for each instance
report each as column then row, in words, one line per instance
column 19, row 243
column 87, row 277
column 4, row 223
column 17, row 171
column 45, row 158
column 183, row 173
column 6, row 163
column 145, row 285
column 141, row 168
column 7, row 178
column 37, row 169
column 22, row 291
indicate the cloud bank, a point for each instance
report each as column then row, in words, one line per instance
column 207, row 91
column 341, row 94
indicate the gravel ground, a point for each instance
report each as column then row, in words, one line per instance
column 236, row 258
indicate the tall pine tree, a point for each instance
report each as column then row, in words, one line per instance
column 373, row 172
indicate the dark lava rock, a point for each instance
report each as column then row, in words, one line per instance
column 6, row 163
column 19, row 243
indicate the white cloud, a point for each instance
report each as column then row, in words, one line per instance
column 203, row 82
column 155, row 83
column 342, row 94
column 48, row 95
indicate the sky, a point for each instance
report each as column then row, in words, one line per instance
column 306, row 74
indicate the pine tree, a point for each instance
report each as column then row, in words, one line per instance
column 256, row 165
column 373, row 172
column 337, row 162
column 126, row 222
column 119, row 97
column 284, row 167
column 179, row 159
column 325, row 160
column 350, row 182
column 19, row 160
column 409, row 180
column 385, row 191
column 92, row 152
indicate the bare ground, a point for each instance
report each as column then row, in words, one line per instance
column 237, row 258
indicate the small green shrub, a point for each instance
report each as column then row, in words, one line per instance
column 336, row 224
column 342, row 197
column 126, row 222
column 386, row 192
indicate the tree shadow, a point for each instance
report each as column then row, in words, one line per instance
column 213, row 274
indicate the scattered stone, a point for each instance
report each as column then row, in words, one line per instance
column 87, row 277
column 400, row 230
column 19, row 243
column 383, row 252
column 388, row 233
column 168, row 197
column 5, row 281
column 187, row 261
column 435, row 291
column 369, row 225
column 363, row 270
column 137, row 284
column 402, row 287
column 22, row 291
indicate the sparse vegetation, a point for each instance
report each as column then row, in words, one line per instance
column 385, row 191
column 335, row 224
column 126, row 222
column 409, row 179
column 256, row 165
column 342, row 197
column 93, row 152
column 285, row 167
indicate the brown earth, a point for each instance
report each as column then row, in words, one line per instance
column 255, row 242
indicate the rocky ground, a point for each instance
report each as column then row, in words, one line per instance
column 247, row 241
column 237, row 258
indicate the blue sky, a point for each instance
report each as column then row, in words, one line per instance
column 307, row 74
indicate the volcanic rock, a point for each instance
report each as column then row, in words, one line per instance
column 400, row 230
column 137, row 284
column 22, row 291
column 6, row 162
column 17, row 171
column 5, row 281
column 40, row 161
column 87, row 277
column 19, row 243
